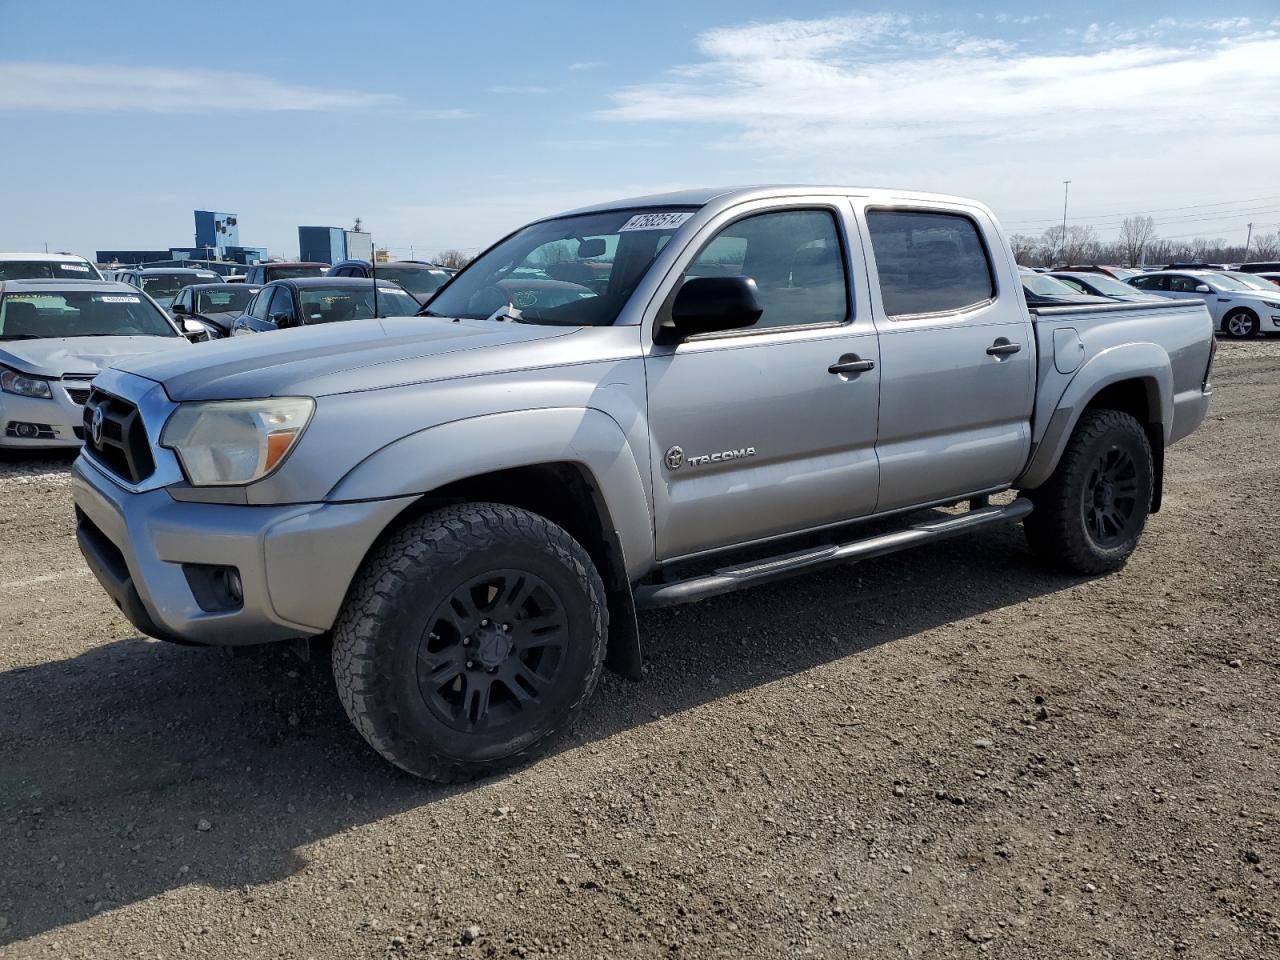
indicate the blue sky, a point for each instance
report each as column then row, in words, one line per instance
column 444, row 126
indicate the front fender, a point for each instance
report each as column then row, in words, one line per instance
column 1148, row 362
column 439, row 455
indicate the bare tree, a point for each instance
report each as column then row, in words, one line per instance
column 454, row 259
column 1026, row 250
column 1135, row 234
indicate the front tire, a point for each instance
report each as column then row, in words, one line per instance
column 1089, row 515
column 1240, row 324
column 470, row 641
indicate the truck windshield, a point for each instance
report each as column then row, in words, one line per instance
column 70, row 313
column 570, row 271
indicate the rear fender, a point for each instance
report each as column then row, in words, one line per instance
column 1145, row 362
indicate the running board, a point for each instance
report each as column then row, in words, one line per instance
column 729, row 579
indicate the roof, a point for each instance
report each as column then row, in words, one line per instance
column 183, row 270
column 44, row 257
column 701, row 196
column 223, row 286
column 290, row 263
column 59, row 286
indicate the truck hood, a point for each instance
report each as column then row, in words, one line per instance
column 58, row 356
column 343, row 357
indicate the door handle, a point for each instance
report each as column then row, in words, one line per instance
column 1002, row 348
column 851, row 363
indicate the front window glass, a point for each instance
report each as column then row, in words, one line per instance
column 337, row 303
column 572, row 271
column 1105, row 285
column 1250, row 281
column 222, row 301
column 929, row 262
column 1046, row 286
column 293, row 273
column 45, row 270
column 794, row 256
column 165, row 286
column 29, row 316
column 418, row 281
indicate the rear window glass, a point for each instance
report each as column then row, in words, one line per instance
column 928, row 262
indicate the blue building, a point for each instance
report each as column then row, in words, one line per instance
column 322, row 244
column 215, row 232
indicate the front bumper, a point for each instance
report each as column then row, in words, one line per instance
column 295, row 562
column 62, row 416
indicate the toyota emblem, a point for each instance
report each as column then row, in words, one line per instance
column 675, row 457
column 95, row 426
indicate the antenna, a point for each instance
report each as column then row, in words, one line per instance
column 373, row 272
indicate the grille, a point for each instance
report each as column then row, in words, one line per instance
column 78, row 395
column 123, row 448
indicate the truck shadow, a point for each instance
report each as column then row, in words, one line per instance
column 140, row 767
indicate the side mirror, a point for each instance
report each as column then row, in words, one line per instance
column 282, row 320
column 178, row 308
column 591, row 248
column 1203, row 288
column 195, row 331
column 711, row 304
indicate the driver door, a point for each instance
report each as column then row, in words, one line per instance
column 753, row 433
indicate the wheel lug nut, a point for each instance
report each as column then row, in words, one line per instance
column 470, row 664
column 506, row 628
column 484, row 623
column 465, row 641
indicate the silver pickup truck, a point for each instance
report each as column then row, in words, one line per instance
column 640, row 403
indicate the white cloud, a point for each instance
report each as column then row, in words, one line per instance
column 27, row 85
column 850, row 81
column 881, row 98
column 586, row 65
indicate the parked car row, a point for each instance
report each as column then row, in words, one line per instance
column 1241, row 304
column 419, row 278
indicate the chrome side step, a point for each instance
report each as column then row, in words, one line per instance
column 733, row 578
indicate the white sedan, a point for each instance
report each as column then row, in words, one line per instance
column 1238, row 309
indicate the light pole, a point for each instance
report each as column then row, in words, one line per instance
column 1066, row 188
column 1248, row 238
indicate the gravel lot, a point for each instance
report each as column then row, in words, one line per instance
column 946, row 753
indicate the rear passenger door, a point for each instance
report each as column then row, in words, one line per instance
column 957, row 376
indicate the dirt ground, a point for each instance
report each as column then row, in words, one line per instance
column 945, row 753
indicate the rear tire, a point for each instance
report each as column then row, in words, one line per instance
column 1240, row 324
column 1090, row 513
column 470, row 641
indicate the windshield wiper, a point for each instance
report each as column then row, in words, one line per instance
column 21, row 336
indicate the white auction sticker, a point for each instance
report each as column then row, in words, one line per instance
column 110, row 299
column 74, row 266
column 656, row 221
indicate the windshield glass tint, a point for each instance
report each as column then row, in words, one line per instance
column 25, row 316
column 333, row 304
column 45, row 270
column 1254, row 283
column 1108, row 285
column 575, row 271
column 1047, row 286
column 168, row 284
column 292, row 273
column 418, row 281
column 1223, row 282
column 224, row 301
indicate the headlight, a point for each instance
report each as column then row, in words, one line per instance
column 13, row 382
column 1273, row 306
column 232, row 442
